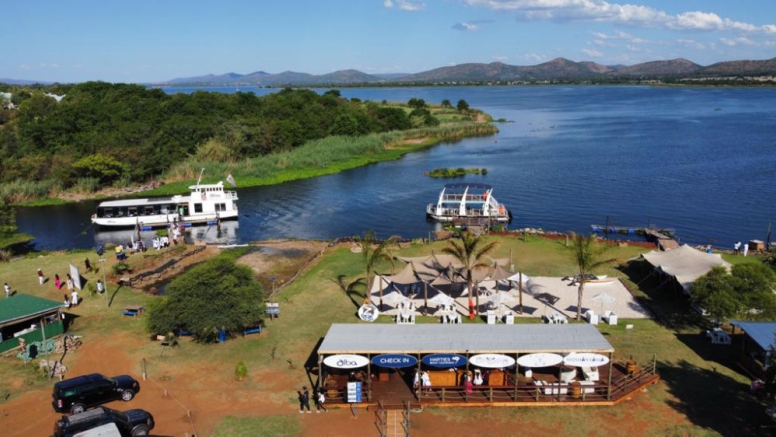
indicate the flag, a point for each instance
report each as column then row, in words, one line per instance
column 231, row 181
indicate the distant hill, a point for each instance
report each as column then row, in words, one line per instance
column 24, row 82
column 559, row 69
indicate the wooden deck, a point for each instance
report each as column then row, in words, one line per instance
column 395, row 391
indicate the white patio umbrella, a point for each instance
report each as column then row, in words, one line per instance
column 604, row 298
column 442, row 299
column 394, row 298
column 499, row 298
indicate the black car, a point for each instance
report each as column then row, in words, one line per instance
column 130, row 423
column 77, row 394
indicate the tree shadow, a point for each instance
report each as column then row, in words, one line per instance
column 714, row 401
column 350, row 289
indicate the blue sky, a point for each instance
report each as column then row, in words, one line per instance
column 146, row 41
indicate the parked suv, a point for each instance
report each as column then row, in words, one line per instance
column 130, row 423
column 77, row 394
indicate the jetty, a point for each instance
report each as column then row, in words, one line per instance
column 663, row 238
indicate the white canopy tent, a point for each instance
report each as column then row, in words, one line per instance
column 685, row 263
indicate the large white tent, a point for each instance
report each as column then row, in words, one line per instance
column 685, row 263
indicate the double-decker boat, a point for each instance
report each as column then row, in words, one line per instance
column 206, row 204
column 467, row 201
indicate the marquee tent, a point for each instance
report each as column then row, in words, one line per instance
column 685, row 264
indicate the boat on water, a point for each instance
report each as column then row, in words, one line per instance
column 206, row 204
column 467, row 202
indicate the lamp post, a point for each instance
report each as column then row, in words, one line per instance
column 100, row 253
column 272, row 279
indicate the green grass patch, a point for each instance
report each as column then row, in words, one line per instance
column 271, row 426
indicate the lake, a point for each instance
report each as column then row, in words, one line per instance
column 697, row 160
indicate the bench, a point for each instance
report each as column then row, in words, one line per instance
column 252, row 330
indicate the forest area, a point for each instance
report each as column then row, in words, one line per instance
column 119, row 135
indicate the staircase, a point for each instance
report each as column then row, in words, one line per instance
column 392, row 420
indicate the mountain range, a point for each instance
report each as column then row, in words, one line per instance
column 557, row 69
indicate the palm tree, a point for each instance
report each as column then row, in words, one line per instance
column 374, row 251
column 471, row 252
column 588, row 255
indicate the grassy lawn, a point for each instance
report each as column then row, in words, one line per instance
column 701, row 392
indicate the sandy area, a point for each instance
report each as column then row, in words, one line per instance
column 612, row 296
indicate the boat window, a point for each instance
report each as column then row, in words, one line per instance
column 197, row 208
column 220, row 206
column 132, row 211
column 149, row 210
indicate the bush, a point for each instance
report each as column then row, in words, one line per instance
column 241, row 371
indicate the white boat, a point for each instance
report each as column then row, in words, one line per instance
column 206, row 204
column 467, row 201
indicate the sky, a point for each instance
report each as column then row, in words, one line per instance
column 144, row 41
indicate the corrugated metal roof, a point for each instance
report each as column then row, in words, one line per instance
column 423, row 338
column 763, row 333
column 24, row 305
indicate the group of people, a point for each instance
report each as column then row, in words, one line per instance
column 304, row 400
column 72, row 299
column 423, row 379
column 739, row 249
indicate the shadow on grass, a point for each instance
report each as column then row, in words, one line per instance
column 714, row 401
column 350, row 289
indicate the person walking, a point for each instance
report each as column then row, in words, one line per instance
column 304, row 400
column 69, row 282
column 88, row 265
column 319, row 400
column 41, row 278
column 57, row 281
column 7, row 290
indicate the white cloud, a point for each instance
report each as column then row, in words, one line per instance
column 532, row 58
column 619, row 35
column 405, row 5
column 500, row 58
column 466, row 27
column 593, row 53
column 627, row 14
column 691, row 43
column 25, row 66
column 740, row 41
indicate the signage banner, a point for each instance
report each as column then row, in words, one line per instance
column 354, row 392
column 368, row 313
column 444, row 361
column 585, row 360
column 492, row 361
column 346, row 361
column 394, row 361
column 539, row 360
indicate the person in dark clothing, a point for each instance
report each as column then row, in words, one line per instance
column 304, row 400
column 88, row 265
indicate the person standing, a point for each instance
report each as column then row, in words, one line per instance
column 319, row 400
column 426, row 380
column 67, row 302
column 69, row 282
column 304, row 400
column 88, row 265
column 74, row 298
column 7, row 290
column 100, row 287
column 746, row 248
column 737, row 248
column 41, row 278
column 57, row 281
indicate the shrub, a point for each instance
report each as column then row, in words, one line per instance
column 241, row 371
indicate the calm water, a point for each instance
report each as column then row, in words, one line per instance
column 700, row 161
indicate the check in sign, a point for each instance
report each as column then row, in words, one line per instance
column 354, row 392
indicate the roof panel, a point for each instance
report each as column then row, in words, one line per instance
column 23, row 305
column 423, row 338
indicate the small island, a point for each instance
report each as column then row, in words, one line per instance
column 455, row 172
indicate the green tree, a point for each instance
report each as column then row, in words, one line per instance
column 715, row 293
column 462, row 106
column 8, row 225
column 105, row 168
column 446, row 104
column 217, row 294
column 346, row 125
column 373, row 252
column 416, row 103
column 588, row 256
column 471, row 252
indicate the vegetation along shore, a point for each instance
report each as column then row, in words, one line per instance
column 92, row 140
